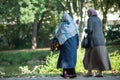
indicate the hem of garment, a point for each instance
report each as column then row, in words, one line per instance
column 65, row 67
column 98, row 69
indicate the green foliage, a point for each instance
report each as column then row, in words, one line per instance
column 47, row 30
column 51, row 62
column 112, row 34
column 14, row 36
column 17, row 17
column 31, row 10
column 21, row 57
column 10, row 71
column 115, row 60
column 50, row 65
column 79, row 65
column 9, row 11
column 21, row 14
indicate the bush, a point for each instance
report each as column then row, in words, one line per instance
column 50, row 64
column 112, row 34
column 115, row 60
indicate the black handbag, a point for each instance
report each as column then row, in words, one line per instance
column 85, row 43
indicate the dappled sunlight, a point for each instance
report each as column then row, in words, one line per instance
column 25, row 69
column 2, row 73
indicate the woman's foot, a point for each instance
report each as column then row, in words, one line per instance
column 99, row 74
column 89, row 74
column 67, row 76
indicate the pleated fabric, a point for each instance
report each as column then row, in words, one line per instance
column 96, row 58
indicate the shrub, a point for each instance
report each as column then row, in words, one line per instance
column 115, row 60
column 50, row 65
column 112, row 34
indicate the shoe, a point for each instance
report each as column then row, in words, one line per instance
column 65, row 76
column 68, row 76
column 61, row 75
column 73, row 76
column 99, row 76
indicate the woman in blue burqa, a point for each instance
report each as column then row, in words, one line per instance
column 67, row 35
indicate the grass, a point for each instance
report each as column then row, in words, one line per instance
column 21, row 57
column 18, row 65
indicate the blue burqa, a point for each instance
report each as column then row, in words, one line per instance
column 67, row 35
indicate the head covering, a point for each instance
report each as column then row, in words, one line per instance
column 66, row 17
column 66, row 29
column 91, row 12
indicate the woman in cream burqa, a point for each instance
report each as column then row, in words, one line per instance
column 96, row 57
column 67, row 35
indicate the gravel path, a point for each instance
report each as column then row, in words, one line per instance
column 60, row 78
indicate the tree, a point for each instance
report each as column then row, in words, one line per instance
column 104, row 6
column 32, row 12
column 9, row 15
column 21, row 20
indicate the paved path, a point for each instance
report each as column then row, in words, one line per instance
column 60, row 78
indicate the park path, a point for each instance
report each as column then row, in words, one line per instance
column 60, row 78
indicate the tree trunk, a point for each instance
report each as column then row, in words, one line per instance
column 81, row 13
column 104, row 11
column 36, row 28
column 70, row 7
column 34, row 39
column 78, row 11
column 104, row 20
column 95, row 4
